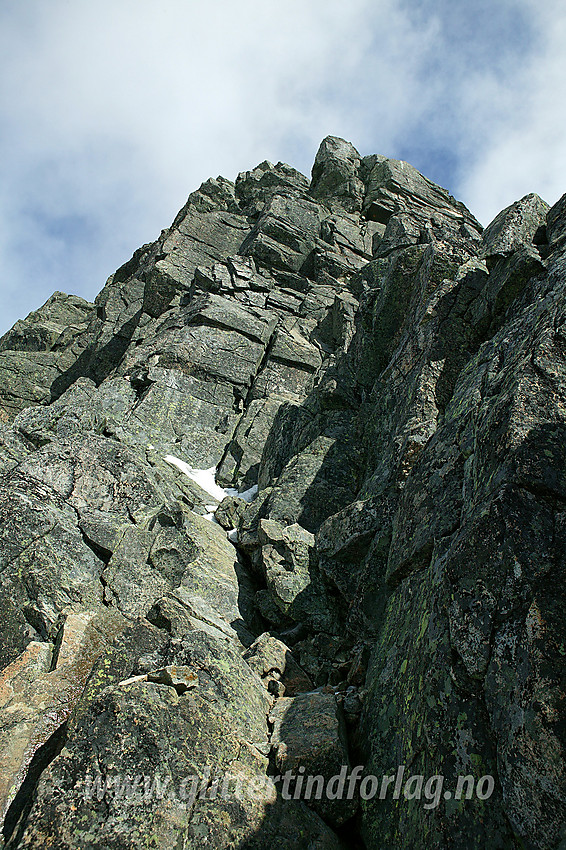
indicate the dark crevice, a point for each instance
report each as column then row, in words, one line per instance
column 57, row 645
column 140, row 383
column 198, row 320
column 19, row 810
column 103, row 555
column 378, row 213
column 97, row 363
column 34, row 620
column 156, row 617
column 293, row 635
column 543, row 494
column 35, row 441
column 540, row 237
column 302, row 367
column 416, row 563
column 104, row 584
column 246, row 403
column 262, row 364
column 350, row 835
column 131, row 515
column 105, row 591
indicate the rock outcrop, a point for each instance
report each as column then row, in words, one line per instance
column 366, row 646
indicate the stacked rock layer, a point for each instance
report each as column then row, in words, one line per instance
column 381, row 386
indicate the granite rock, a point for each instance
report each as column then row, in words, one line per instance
column 370, row 392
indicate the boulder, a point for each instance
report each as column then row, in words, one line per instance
column 335, row 177
column 515, row 227
column 309, row 741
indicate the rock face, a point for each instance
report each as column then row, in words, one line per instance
column 39, row 349
column 372, row 393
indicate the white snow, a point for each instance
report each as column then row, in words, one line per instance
column 205, row 478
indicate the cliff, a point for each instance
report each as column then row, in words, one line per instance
column 291, row 496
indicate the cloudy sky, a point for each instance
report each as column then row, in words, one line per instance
column 112, row 111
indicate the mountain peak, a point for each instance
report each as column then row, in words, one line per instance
column 285, row 498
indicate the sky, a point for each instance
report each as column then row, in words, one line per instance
column 112, row 112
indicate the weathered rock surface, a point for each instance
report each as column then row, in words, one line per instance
column 381, row 387
column 309, row 740
column 40, row 689
column 39, row 349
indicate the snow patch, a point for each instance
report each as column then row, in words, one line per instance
column 205, row 478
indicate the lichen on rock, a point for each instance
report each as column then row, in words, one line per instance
column 379, row 387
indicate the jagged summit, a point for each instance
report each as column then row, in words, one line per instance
column 272, row 215
column 289, row 497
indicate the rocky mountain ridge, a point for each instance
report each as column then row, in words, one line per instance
column 391, row 379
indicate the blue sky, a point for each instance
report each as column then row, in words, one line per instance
column 112, row 112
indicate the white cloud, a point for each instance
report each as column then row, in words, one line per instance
column 114, row 111
column 525, row 150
